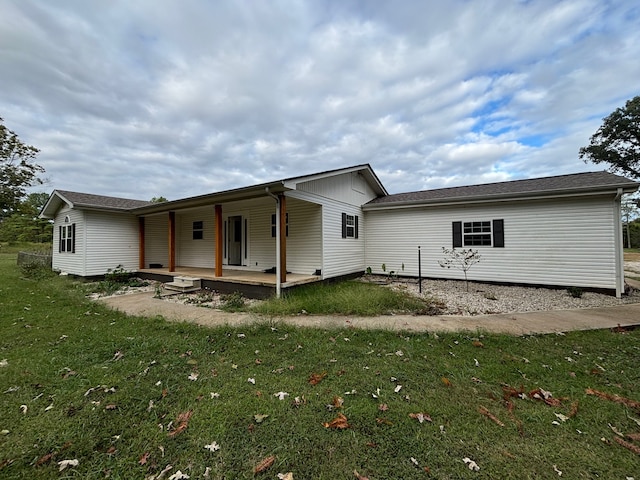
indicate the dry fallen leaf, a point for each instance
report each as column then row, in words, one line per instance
column 179, row 476
column 490, row 416
column 471, row 464
column 337, row 402
column 264, row 464
column 629, row 446
column 183, row 422
column 285, row 476
column 212, row 447
column 421, row 417
column 358, row 476
column 67, row 463
column 446, row 381
column 160, row 475
column 44, row 459
column 316, row 378
column 144, row 458
column 340, row 422
column 614, row 398
column 259, row 417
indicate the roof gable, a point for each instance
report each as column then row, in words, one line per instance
column 546, row 186
column 88, row 201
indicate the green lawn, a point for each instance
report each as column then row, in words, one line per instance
column 127, row 397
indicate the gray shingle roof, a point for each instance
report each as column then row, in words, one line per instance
column 88, row 200
column 573, row 183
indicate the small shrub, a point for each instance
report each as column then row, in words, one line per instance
column 461, row 260
column 117, row 275
column 114, row 280
column 233, row 302
column 202, row 297
column 35, row 270
column 575, row 292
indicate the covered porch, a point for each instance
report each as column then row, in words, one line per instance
column 250, row 283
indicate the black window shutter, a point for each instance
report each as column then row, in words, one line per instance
column 356, row 220
column 73, row 238
column 457, row 234
column 273, row 225
column 498, row 233
column 344, row 225
column 60, row 239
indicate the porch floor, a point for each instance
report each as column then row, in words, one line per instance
column 245, row 277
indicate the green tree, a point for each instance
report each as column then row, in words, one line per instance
column 634, row 233
column 617, row 141
column 159, row 199
column 17, row 170
column 24, row 225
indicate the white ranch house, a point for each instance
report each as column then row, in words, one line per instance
column 558, row 231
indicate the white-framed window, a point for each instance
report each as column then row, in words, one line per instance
column 67, row 237
column 478, row 233
column 349, row 226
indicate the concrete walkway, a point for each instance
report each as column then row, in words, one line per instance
column 143, row 304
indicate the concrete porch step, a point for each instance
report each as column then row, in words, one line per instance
column 184, row 284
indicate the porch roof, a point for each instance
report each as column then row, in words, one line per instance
column 244, row 193
column 257, row 191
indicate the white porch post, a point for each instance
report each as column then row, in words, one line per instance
column 278, row 266
column 619, row 244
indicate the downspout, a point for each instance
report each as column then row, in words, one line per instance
column 619, row 245
column 278, row 266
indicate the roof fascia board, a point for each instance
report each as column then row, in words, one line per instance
column 489, row 199
column 54, row 197
column 244, row 193
column 372, row 177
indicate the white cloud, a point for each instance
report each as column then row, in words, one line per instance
column 126, row 98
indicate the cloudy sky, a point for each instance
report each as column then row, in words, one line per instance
column 178, row 98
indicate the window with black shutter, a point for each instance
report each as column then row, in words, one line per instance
column 482, row 233
column 349, row 226
column 67, row 238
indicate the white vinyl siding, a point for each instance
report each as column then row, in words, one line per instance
column 565, row 242
column 68, row 262
column 156, row 240
column 304, row 243
column 111, row 240
column 195, row 253
column 342, row 256
column 350, row 188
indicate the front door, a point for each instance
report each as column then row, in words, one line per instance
column 235, row 240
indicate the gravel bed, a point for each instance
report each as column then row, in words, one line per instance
column 482, row 298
